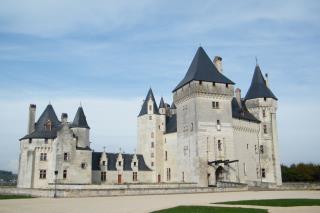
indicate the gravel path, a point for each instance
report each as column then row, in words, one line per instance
column 137, row 204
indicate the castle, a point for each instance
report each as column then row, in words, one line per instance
column 209, row 134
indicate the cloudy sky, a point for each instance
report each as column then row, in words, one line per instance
column 106, row 54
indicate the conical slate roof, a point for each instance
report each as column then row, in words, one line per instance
column 40, row 129
column 203, row 69
column 80, row 119
column 258, row 87
column 173, row 106
column 161, row 105
column 144, row 108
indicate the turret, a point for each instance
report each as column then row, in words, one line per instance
column 81, row 129
column 262, row 103
column 162, row 107
column 173, row 109
column 103, row 161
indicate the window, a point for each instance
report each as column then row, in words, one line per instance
column 135, row 176
column 150, row 108
column 134, row 163
column 244, row 169
column 43, row 156
column 152, row 144
column 191, row 127
column 218, row 122
column 263, row 172
column 66, row 156
column 119, row 163
column 200, row 82
column 64, row 174
column 265, row 129
column 182, row 176
column 48, row 125
column 214, row 84
column 103, row 163
column 46, row 141
column 83, row 165
column 168, row 174
column 152, row 135
column 43, row 174
column 255, row 148
column 265, row 99
column 152, row 163
column 166, row 155
column 30, row 140
column 261, row 149
column 218, row 125
column 227, row 85
column 150, row 117
column 152, row 155
column 264, row 113
column 185, row 150
column 247, row 146
column 215, row 105
column 103, row 176
column 219, row 145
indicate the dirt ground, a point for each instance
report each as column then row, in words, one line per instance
column 148, row 203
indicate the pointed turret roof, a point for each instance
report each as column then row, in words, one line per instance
column 144, row 108
column 161, row 105
column 40, row 130
column 203, row 69
column 80, row 119
column 173, row 106
column 258, row 87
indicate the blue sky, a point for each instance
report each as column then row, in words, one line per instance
column 107, row 54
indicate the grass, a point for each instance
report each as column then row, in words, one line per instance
column 276, row 202
column 5, row 197
column 209, row 209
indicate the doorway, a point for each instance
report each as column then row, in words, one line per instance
column 219, row 174
column 119, row 179
column 159, row 178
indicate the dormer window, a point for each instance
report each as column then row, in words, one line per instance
column 103, row 163
column 119, row 163
column 134, row 163
column 265, row 98
column 227, row 85
column 214, row 84
column 150, row 108
column 48, row 125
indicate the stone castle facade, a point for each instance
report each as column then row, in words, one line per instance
column 209, row 134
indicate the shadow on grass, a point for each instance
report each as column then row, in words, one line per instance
column 276, row 202
column 208, row 209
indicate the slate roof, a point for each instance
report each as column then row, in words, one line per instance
column 203, row 69
column 80, row 119
column 258, row 87
column 242, row 113
column 173, row 106
column 112, row 160
column 40, row 130
column 171, row 124
column 144, row 108
column 161, row 105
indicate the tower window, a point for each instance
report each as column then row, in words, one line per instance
column 103, row 176
column 218, row 125
column 135, row 176
column 247, row 146
column 65, row 172
column 263, row 172
column 152, row 155
column 264, row 113
column 66, row 156
column 43, row 174
column 152, row 144
column 43, row 156
column 48, row 125
column 219, row 145
column 215, row 105
column 166, row 155
column 168, row 174
column 265, row 129
column 191, row 129
column 152, row 163
column 83, row 165
column 261, row 149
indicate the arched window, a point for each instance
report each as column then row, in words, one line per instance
column 48, row 125
column 219, row 145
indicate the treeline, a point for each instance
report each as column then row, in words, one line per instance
column 6, row 176
column 301, row 172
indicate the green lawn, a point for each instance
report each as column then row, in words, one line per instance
column 208, row 209
column 276, row 202
column 4, row 197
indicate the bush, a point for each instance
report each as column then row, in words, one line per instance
column 301, row 173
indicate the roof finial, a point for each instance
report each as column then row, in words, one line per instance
column 49, row 102
column 80, row 104
column 257, row 61
column 104, row 149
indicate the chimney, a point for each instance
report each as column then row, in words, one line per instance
column 266, row 79
column 32, row 118
column 238, row 96
column 217, row 61
column 64, row 117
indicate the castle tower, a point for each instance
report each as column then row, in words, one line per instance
column 204, row 123
column 81, row 129
column 261, row 102
column 151, row 125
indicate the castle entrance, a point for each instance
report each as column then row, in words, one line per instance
column 219, row 173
